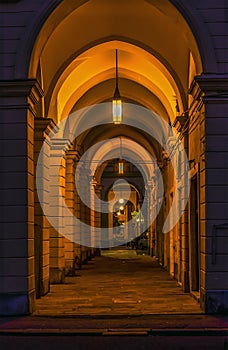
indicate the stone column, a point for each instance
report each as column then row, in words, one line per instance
column 213, row 195
column 69, row 220
column 92, row 212
column 184, row 240
column 181, row 124
column 97, row 217
column 151, row 206
column 77, row 227
column 177, row 194
column 17, row 282
column 85, row 215
column 57, row 190
column 160, row 201
column 98, row 189
column 167, row 171
column 42, row 226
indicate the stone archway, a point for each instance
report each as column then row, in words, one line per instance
column 38, row 84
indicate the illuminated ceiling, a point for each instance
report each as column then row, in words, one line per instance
column 135, row 64
column 75, row 53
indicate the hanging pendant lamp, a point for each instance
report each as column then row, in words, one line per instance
column 120, row 163
column 116, row 101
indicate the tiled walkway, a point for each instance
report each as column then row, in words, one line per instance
column 120, row 282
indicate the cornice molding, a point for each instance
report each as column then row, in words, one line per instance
column 44, row 125
column 215, row 83
column 21, row 88
column 213, row 86
column 180, row 122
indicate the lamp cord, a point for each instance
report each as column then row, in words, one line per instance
column 116, row 68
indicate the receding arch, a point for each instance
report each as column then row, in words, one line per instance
column 110, row 148
column 98, row 64
column 171, row 54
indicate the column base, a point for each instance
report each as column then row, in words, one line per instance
column 17, row 304
column 84, row 257
column 214, row 301
column 57, row 275
column 69, row 267
column 45, row 287
column 185, row 284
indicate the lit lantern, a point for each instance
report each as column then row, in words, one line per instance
column 117, row 109
column 120, row 167
column 116, row 101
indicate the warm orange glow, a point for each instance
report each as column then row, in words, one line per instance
column 96, row 65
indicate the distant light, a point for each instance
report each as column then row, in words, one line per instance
column 121, row 167
column 121, row 200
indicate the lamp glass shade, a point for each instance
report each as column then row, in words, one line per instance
column 120, row 167
column 117, row 111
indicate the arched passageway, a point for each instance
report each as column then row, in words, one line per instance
column 79, row 153
column 150, row 76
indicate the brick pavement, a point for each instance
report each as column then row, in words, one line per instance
column 118, row 283
column 119, row 293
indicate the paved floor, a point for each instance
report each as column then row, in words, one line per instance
column 118, row 301
column 120, row 282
